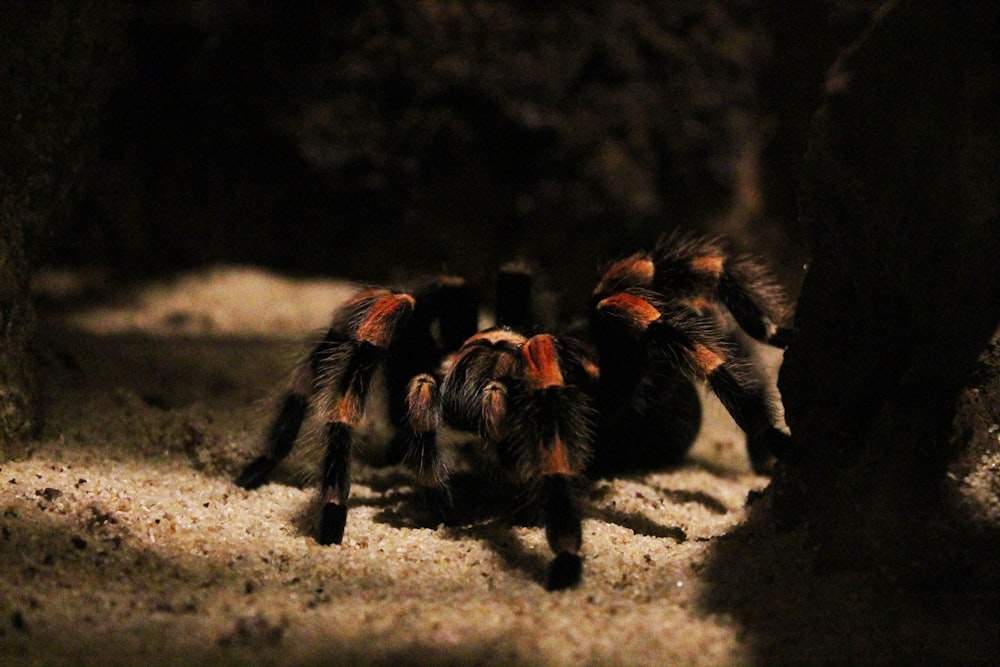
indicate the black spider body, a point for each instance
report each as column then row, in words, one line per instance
column 548, row 405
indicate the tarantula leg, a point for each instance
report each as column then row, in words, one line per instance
column 552, row 439
column 373, row 321
column 453, row 304
column 693, row 344
column 423, row 415
column 513, row 298
column 563, row 531
column 730, row 377
column 283, row 431
column 343, row 418
column 336, row 483
column 755, row 300
column 745, row 398
column 280, row 439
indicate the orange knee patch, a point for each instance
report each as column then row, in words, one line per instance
column 708, row 264
column 348, row 410
column 555, row 459
column 635, row 310
column 542, row 362
column 707, row 359
column 634, row 271
column 379, row 326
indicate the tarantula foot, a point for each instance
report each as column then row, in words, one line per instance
column 766, row 447
column 564, row 571
column 437, row 498
column 256, row 473
column 762, row 464
column 331, row 524
column 783, row 337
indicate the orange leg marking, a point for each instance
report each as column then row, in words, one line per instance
column 378, row 326
column 706, row 359
column 635, row 310
column 634, row 271
column 348, row 410
column 555, row 459
column 542, row 362
column 708, row 264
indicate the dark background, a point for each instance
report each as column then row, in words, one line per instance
column 385, row 140
column 379, row 141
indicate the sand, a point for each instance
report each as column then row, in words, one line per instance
column 124, row 541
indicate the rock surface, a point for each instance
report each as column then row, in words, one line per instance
column 903, row 289
column 56, row 69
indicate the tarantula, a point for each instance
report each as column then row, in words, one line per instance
column 543, row 402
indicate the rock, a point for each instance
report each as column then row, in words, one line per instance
column 976, row 438
column 56, row 68
column 17, row 413
column 900, row 206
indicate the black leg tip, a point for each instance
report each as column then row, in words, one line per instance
column 768, row 446
column 762, row 463
column 783, row 337
column 437, row 502
column 564, row 572
column 255, row 474
column 331, row 524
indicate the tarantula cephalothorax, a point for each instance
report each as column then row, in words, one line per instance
column 544, row 403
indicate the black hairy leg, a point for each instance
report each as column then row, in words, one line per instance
column 675, row 336
column 563, row 531
column 280, row 438
column 745, row 398
column 691, row 268
column 343, row 416
column 551, row 436
column 339, row 371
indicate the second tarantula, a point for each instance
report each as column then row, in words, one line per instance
column 545, row 402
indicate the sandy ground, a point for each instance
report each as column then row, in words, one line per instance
column 123, row 539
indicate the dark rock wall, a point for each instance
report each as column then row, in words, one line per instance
column 17, row 412
column 901, row 203
column 57, row 67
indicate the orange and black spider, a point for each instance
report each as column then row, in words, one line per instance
column 549, row 405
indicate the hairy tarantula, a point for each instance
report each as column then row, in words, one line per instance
column 544, row 402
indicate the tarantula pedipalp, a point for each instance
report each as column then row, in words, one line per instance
column 542, row 402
